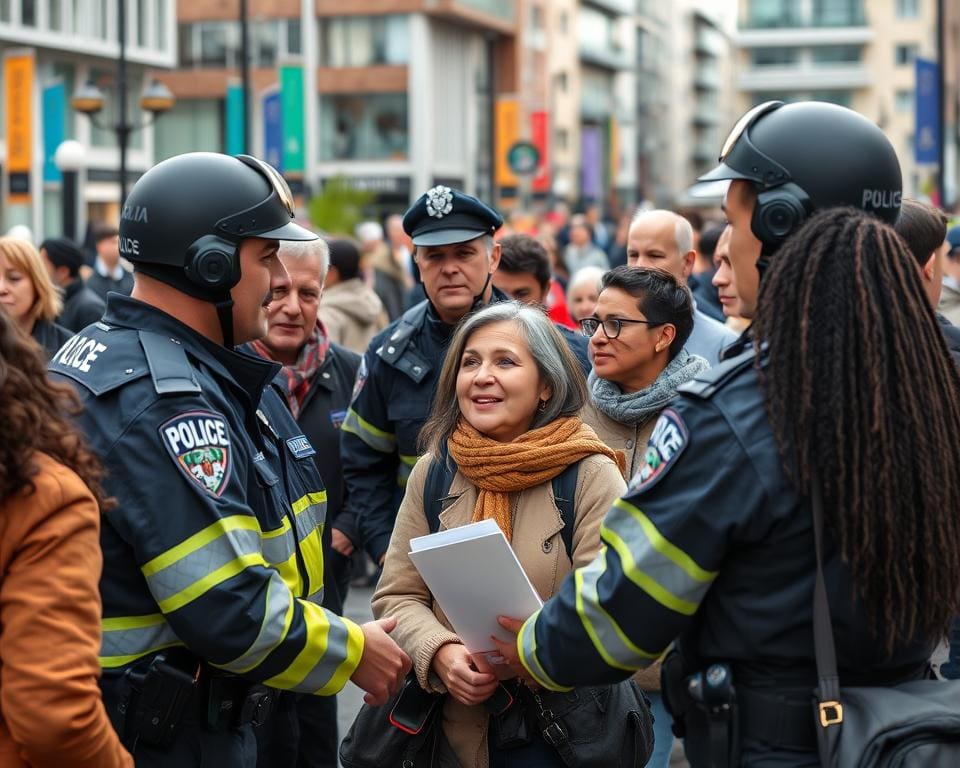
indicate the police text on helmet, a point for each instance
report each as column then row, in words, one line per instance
column 129, row 246
column 881, row 198
column 135, row 213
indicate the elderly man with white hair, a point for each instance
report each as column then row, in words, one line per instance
column 662, row 239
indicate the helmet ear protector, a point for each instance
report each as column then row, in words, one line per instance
column 778, row 213
column 213, row 263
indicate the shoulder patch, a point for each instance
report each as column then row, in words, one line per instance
column 300, row 447
column 670, row 436
column 199, row 444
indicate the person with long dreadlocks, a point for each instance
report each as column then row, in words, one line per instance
column 723, row 560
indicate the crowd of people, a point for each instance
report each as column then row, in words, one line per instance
column 647, row 408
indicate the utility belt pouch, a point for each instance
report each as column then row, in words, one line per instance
column 154, row 700
column 231, row 702
column 511, row 727
column 673, row 677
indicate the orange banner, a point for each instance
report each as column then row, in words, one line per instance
column 507, row 134
column 18, row 87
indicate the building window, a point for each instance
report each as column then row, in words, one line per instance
column 774, row 57
column 596, row 31
column 843, row 98
column 370, row 126
column 28, row 13
column 293, row 36
column 838, row 13
column 767, row 14
column 361, row 41
column 904, row 101
column 55, row 17
column 143, row 24
column 5, row 10
column 836, row 54
column 213, row 45
column 561, row 138
column 905, row 54
column 195, row 125
column 908, row 9
column 536, row 18
column 562, row 82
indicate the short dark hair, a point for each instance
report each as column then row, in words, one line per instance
column 922, row 227
column 522, row 254
column 709, row 239
column 103, row 231
column 660, row 296
column 345, row 256
column 63, row 252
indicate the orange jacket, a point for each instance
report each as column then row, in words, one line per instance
column 51, row 713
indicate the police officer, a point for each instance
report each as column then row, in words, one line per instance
column 455, row 252
column 213, row 571
column 713, row 542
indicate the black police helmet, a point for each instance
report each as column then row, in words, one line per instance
column 806, row 156
column 185, row 218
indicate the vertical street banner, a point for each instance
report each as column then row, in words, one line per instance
column 614, row 151
column 273, row 120
column 54, row 127
column 926, row 134
column 291, row 105
column 591, row 162
column 539, row 134
column 18, row 90
column 507, row 134
column 234, row 118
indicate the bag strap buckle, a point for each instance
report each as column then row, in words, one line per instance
column 831, row 713
column 554, row 735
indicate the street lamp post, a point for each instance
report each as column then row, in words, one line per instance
column 156, row 100
column 69, row 159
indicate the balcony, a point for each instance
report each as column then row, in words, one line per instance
column 706, row 78
column 618, row 7
column 502, row 10
column 708, row 41
column 805, row 77
column 606, row 58
column 800, row 36
column 794, row 18
column 705, row 116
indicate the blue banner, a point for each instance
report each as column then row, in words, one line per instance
column 273, row 130
column 54, row 127
column 926, row 134
column 233, row 124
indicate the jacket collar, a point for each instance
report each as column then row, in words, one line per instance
column 248, row 372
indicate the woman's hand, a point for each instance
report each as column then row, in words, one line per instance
column 508, row 648
column 454, row 666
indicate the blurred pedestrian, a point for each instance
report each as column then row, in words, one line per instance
column 583, row 290
column 700, row 281
column 81, row 306
column 950, row 298
column 51, row 713
column 582, row 251
column 351, row 312
column 664, row 240
column 506, row 414
column 724, row 281
column 453, row 234
column 109, row 274
column 393, row 275
column 28, row 295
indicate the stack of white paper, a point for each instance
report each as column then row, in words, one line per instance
column 475, row 577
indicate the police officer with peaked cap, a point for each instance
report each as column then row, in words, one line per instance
column 712, row 543
column 212, row 576
column 452, row 235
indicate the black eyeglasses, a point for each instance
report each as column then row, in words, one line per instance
column 611, row 326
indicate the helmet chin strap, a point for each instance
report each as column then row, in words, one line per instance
column 224, row 305
column 478, row 301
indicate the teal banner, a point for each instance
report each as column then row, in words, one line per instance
column 291, row 107
column 233, row 120
column 54, row 127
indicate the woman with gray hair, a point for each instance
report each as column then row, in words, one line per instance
column 505, row 422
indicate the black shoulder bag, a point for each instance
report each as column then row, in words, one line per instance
column 908, row 725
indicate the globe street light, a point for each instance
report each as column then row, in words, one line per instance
column 69, row 158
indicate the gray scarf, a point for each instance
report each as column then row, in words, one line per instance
column 635, row 408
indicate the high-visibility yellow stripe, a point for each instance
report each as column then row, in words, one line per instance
column 308, row 500
column 312, row 653
column 375, row 438
column 409, row 460
column 284, row 527
column 527, row 650
column 113, row 662
column 131, row 622
column 350, row 661
column 211, row 580
column 200, row 539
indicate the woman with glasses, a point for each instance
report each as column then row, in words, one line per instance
column 637, row 331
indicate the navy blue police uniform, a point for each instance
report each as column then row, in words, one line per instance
column 724, row 561
column 214, row 543
column 398, row 375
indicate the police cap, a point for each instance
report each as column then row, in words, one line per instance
column 834, row 155
column 444, row 216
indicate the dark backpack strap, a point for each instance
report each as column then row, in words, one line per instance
column 564, row 490
column 439, row 480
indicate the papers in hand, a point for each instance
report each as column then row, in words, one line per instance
column 475, row 576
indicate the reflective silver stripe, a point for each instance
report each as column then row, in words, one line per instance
column 122, row 645
column 331, row 660
column 277, row 615
column 317, row 597
column 278, row 549
column 661, row 569
column 527, row 645
column 377, row 439
column 310, row 519
column 611, row 642
column 202, row 562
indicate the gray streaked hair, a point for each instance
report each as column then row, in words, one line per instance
column 682, row 229
column 300, row 249
column 558, row 368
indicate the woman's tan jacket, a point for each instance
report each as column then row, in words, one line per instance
column 421, row 626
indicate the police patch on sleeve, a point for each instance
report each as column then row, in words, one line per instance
column 199, row 444
column 670, row 436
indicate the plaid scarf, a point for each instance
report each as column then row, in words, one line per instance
column 297, row 377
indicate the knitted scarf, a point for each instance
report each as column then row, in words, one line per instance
column 535, row 457
column 636, row 407
column 297, row 377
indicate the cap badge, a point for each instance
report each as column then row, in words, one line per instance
column 439, row 201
